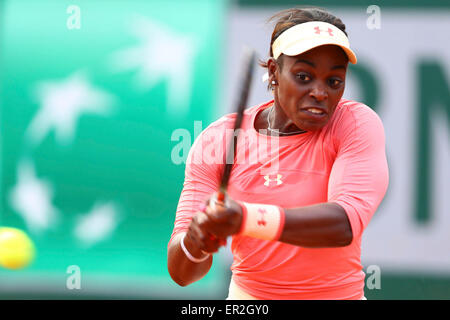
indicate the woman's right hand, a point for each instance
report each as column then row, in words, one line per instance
column 198, row 241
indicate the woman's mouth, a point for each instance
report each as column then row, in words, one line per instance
column 314, row 112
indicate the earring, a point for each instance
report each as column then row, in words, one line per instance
column 273, row 82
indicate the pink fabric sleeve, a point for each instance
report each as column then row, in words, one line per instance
column 203, row 171
column 359, row 176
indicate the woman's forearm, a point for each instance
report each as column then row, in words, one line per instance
column 181, row 269
column 317, row 226
column 323, row 225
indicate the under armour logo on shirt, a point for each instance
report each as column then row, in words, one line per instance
column 269, row 180
column 318, row 31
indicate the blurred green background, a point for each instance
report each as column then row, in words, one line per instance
column 94, row 96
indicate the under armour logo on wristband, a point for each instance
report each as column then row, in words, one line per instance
column 277, row 180
column 318, row 31
column 262, row 221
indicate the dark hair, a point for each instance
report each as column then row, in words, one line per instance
column 290, row 17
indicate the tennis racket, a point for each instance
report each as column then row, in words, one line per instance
column 246, row 80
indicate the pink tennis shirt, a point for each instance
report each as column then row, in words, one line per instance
column 344, row 162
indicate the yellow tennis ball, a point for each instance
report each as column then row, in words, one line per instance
column 16, row 248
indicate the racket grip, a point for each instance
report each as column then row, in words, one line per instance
column 221, row 196
column 223, row 242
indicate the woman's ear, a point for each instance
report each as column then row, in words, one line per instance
column 272, row 72
column 272, row 68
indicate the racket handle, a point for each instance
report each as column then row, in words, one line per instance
column 221, row 196
column 223, row 242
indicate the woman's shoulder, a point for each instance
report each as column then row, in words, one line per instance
column 347, row 107
column 227, row 121
column 350, row 112
column 353, row 119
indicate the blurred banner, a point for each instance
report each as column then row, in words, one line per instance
column 98, row 100
column 91, row 93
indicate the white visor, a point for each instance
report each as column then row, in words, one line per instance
column 306, row 36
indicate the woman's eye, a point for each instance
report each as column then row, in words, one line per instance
column 303, row 77
column 334, row 83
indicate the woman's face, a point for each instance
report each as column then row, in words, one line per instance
column 309, row 86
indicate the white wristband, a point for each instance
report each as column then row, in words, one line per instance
column 189, row 255
column 262, row 221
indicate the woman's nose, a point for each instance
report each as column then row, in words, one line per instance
column 319, row 93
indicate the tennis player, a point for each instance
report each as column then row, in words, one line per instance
column 297, row 215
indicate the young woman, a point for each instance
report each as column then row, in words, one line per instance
column 296, row 226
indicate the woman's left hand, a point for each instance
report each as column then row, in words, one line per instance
column 224, row 218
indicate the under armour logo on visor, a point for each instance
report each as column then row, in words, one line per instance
column 277, row 180
column 318, row 31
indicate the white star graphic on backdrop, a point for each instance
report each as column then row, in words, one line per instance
column 162, row 54
column 31, row 198
column 61, row 105
column 98, row 224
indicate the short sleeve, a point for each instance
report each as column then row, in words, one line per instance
column 359, row 176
